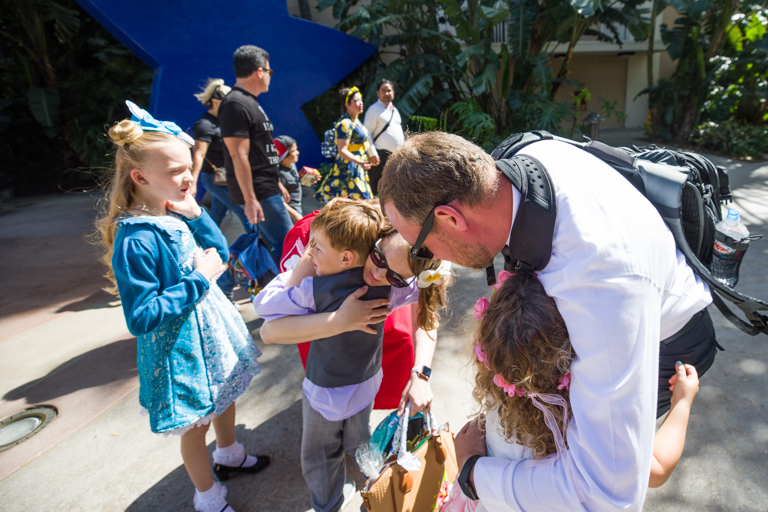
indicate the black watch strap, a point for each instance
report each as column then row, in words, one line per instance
column 466, row 487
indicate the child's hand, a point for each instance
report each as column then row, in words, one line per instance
column 684, row 384
column 208, row 262
column 188, row 207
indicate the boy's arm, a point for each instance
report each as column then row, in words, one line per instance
column 295, row 216
column 278, row 300
column 304, row 268
column 670, row 439
column 353, row 315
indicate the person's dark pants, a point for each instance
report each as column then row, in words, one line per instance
column 694, row 344
column 374, row 173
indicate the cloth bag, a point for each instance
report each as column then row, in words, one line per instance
column 219, row 174
column 415, row 489
column 250, row 263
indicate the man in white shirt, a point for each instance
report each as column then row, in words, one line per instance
column 382, row 119
column 618, row 281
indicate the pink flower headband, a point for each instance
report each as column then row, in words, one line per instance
column 549, row 418
column 564, row 382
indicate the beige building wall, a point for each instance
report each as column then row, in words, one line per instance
column 606, row 78
column 667, row 66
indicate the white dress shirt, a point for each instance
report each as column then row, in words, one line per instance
column 621, row 286
column 376, row 118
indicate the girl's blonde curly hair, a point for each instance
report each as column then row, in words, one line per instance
column 526, row 341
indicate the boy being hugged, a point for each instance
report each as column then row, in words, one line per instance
column 343, row 372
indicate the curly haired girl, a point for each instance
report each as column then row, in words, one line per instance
column 522, row 361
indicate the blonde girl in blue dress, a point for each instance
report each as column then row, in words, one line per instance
column 164, row 253
column 349, row 176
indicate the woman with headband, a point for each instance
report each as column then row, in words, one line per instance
column 349, row 176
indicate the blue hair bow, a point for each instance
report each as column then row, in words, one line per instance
column 145, row 120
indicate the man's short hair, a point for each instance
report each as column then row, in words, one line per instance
column 350, row 225
column 248, row 59
column 433, row 167
column 382, row 82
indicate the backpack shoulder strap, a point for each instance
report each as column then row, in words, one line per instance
column 530, row 245
column 518, row 141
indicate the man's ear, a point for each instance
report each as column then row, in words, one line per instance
column 347, row 258
column 450, row 218
column 138, row 177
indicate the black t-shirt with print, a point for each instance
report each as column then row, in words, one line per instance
column 207, row 129
column 241, row 116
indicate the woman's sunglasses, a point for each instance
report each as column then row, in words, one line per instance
column 377, row 257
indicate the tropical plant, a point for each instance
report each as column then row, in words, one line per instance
column 445, row 58
column 733, row 137
column 63, row 81
column 698, row 37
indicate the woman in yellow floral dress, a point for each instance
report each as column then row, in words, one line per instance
column 349, row 176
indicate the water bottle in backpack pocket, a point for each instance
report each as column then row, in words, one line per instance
column 731, row 242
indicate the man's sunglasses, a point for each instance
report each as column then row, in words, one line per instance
column 418, row 251
column 269, row 71
column 377, row 257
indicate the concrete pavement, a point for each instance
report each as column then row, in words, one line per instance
column 63, row 342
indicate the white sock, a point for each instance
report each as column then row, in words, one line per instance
column 232, row 455
column 210, row 493
column 212, row 500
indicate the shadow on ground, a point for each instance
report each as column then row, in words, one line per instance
column 279, row 487
column 98, row 367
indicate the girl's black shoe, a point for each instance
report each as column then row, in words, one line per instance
column 222, row 472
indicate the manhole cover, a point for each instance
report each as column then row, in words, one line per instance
column 24, row 424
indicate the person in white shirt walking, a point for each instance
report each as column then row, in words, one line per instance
column 386, row 128
column 629, row 300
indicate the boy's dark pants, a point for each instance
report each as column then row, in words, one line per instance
column 694, row 344
column 323, row 445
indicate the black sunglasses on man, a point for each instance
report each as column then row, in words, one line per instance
column 418, row 251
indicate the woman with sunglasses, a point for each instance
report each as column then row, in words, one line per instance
column 409, row 332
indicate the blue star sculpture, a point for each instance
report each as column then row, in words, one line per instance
column 190, row 41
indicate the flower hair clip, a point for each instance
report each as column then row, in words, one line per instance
column 564, row 382
column 429, row 277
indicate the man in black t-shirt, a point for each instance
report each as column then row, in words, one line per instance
column 251, row 158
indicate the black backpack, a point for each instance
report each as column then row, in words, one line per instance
column 686, row 189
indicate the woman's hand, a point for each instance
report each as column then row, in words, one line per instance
column 188, row 207
column 365, row 164
column 418, row 392
column 357, row 315
column 208, row 262
column 470, row 441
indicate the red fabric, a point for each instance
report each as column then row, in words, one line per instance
column 397, row 358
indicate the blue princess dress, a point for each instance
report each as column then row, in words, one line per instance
column 195, row 354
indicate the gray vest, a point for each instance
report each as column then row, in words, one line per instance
column 351, row 357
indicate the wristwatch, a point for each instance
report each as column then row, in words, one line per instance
column 466, row 487
column 424, row 371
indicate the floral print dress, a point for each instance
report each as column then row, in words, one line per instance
column 176, row 396
column 348, row 179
